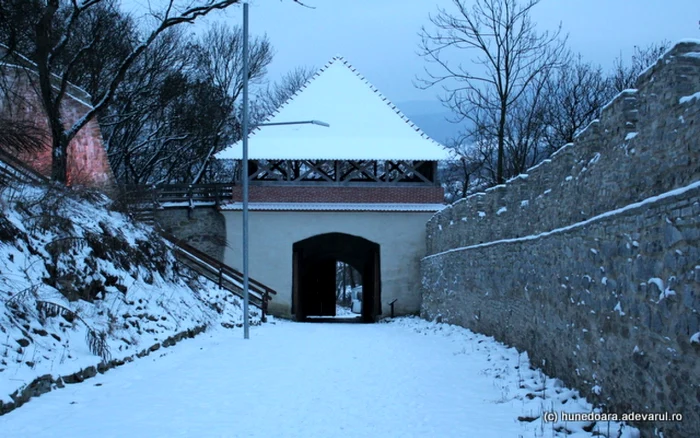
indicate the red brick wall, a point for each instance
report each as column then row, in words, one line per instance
column 374, row 194
column 87, row 158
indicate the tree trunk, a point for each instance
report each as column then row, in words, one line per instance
column 59, row 154
column 51, row 105
column 352, row 277
column 501, row 142
column 467, row 177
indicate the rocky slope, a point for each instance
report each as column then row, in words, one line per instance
column 83, row 289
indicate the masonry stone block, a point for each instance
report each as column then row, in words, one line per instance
column 88, row 165
column 591, row 302
column 203, row 228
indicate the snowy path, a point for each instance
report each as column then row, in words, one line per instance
column 408, row 378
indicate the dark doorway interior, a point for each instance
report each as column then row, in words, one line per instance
column 314, row 271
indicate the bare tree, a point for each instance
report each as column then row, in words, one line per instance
column 18, row 136
column 136, row 125
column 575, row 94
column 175, row 109
column 510, row 55
column 17, row 17
column 220, row 62
column 111, row 35
column 220, row 57
column 50, row 31
column 272, row 97
column 526, row 128
column 461, row 176
column 624, row 76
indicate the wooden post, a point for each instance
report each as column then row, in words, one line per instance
column 392, row 307
column 265, row 299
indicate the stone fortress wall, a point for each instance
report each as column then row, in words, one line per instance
column 88, row 163
column 591, row 261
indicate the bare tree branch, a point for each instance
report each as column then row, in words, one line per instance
column 510, row 56
column 52, row 32
column 20, row 136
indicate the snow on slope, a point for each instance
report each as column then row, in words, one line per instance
column 81, row 285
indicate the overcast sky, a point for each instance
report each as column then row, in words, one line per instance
column 380, row 37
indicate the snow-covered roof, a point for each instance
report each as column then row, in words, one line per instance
column 364, row 125
column 324, row 206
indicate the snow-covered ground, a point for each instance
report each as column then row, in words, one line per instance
column 341, row 312
column 404, row 378
column 75, row 273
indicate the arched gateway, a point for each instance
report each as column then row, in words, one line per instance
column 359, row 192
column 314, row 274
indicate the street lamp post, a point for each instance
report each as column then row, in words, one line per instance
column 244, row 171
column 306, row 122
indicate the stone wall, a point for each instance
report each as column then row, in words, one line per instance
column 203, row 228
column 645, row 143
column 591, row 261
column 88, row 164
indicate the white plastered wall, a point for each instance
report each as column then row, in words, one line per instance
column 400, row 235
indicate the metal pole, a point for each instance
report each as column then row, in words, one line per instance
column 244, row 172
column 306, row 122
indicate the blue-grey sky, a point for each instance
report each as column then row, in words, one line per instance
column 380, row 37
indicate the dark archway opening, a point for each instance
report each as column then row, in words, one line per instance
column 314, row 274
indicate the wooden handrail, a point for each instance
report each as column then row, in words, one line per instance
column 230, row 271
column 217, row 276
column 163, row 193
column 259, row 293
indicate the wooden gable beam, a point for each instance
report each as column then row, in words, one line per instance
column 361, row 167
column 266, row 171
column 315, row 167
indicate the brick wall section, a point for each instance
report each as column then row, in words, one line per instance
column 330, row 194
column 587, row 302
column 88, row 164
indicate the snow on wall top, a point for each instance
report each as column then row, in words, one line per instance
column 364, row 125
column 333, row 206
column 74, row 92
